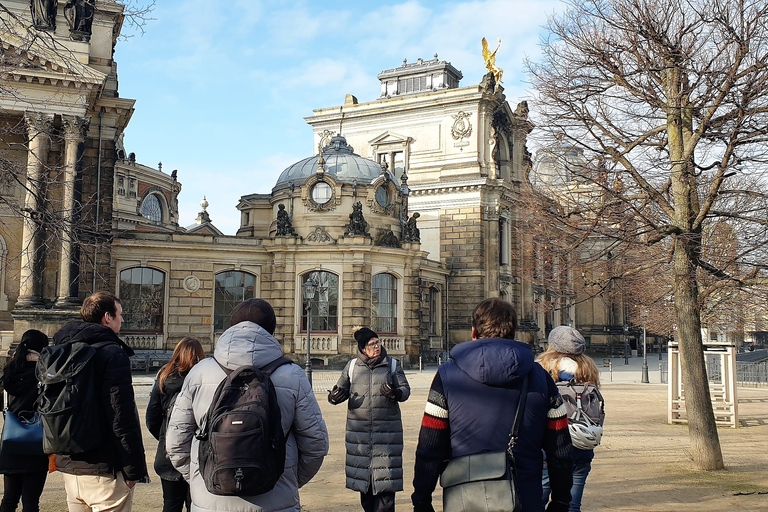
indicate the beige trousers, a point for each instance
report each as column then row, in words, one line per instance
column 90, row 493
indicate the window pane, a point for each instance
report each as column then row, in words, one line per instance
column 230, row 289
column 324, row 310
column 384, row 303
column 142, row 294
column 151, row 208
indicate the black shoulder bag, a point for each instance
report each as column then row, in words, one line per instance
column 485, row 482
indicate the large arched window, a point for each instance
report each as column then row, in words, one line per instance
column 384, row 303
column 325, row 304
column 152, row 209
column 231, row 288
column 142, row 294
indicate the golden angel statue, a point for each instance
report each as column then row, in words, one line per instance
column 490, row 60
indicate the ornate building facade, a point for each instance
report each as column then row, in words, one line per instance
column 404, row 217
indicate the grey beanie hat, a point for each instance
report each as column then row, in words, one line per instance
column 567, row 340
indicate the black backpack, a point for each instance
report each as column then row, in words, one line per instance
column 69, row 405
column 242, row 445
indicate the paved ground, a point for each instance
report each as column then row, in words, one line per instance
column 642, row 465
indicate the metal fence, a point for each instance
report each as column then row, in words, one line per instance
column 747, row 373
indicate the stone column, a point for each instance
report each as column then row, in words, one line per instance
column 75, row 128
column 38, row 131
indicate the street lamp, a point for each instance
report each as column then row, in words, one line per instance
column 626, row 345
column 309, row 289
column 644, row 375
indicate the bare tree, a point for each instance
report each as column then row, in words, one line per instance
column 668, row 100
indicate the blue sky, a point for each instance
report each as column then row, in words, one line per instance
column 222, row 88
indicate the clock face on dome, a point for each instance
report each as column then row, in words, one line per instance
column 322, row 193
column 382, row 197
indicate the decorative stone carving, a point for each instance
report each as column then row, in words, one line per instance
column 44, row 14
column 191, row 284
column 79, row 15
column 461, row 128
column 319, row 235
column 75, row 127
column 388, row 239
column 325, row 138
column 284, row 226
column 357, row 226
column 410, row 231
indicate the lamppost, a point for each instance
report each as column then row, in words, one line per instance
column 309, row 289
column 626, row 345
column 644, row 375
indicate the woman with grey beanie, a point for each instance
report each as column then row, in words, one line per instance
column 577, row 379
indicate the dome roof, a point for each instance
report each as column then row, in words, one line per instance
column 340, row 162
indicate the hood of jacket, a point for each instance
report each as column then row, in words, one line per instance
column 246, row 343
column 494, row 361
column 90, row 333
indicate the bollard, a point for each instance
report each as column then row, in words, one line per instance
column 610, row 369
column 439, row 360
column 421, row 368
column 661, row 373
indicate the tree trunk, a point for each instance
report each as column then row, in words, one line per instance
column 705, row 443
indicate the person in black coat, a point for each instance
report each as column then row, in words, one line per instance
column 188, row 352
column 105, row 476
column 23, row 477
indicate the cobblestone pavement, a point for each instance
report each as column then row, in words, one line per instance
column 642, row 465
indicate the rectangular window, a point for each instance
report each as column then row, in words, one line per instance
column 434, row 310
column 384, row 303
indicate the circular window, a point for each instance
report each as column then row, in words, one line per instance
column 382, row 197
column 322, row 193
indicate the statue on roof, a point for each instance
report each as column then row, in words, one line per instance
column 357, row 226
column 490, row 60
column 284, row 226
column 44, row 14
column 411, row 233
column 79, row 15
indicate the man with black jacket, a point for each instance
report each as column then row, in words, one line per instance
column 103, row 478
column 471, row 409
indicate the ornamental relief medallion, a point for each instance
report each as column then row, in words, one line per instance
column 461, row 128
column 320, row 235
column 190, row 284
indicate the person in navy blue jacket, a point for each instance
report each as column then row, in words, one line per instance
column 471, row 407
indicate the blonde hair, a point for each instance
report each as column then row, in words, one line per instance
column 586, row 372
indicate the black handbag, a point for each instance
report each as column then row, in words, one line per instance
column 22, row 436
column 484, row 482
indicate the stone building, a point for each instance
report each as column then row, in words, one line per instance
column 60, row 119
column 404, row 217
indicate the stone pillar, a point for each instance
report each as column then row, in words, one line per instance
column 38, row 131
column 75, row 128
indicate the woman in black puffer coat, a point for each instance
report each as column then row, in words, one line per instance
column 375, row 384
column 188, row 352
column 23, row 476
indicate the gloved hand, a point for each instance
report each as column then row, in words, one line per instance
column 391, row 392
column 338, row 395
column 557, row 506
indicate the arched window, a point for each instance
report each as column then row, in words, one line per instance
column 152, row 209
column 142, row 295
column 384, row 303
column 231, row 288
column 325, row 304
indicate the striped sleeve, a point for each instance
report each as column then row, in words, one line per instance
column 557, row 447
column 434, row 446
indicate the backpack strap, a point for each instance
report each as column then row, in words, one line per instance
column 268, row 368
column 392, row 365
column 518, row 417
column 351, row 370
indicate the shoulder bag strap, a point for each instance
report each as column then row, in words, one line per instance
column 518, row 416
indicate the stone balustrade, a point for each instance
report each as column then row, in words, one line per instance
column 143, row 341
column 321, row 344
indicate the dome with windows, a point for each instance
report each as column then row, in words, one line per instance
column 340, row 161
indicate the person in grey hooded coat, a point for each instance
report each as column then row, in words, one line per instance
column 249, row 342
column 374, row 383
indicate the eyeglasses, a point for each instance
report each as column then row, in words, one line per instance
column 374, row 344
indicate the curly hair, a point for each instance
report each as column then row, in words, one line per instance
column 494, row 318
